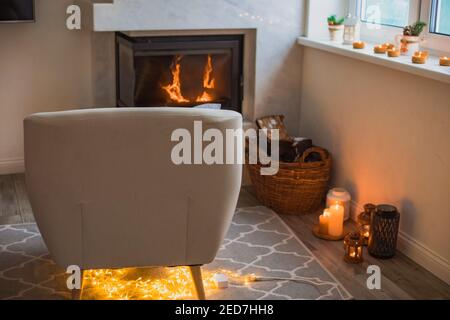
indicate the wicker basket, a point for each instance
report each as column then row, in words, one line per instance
column 297, row 188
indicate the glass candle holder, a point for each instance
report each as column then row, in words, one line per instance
column 353, row 248
column 364, row 231
column 364, row 219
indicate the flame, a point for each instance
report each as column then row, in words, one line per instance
column 208, row 82
column 174, row 89
column 173, row 284
column 205, row 97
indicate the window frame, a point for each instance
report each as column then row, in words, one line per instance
column 434, row 41
column 419, row 10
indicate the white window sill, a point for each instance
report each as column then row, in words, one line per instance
column 431, row 69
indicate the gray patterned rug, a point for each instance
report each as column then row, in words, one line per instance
column 258, row 242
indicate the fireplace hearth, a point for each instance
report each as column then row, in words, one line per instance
column 179, row 71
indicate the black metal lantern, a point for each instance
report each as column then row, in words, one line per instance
column 384, row 231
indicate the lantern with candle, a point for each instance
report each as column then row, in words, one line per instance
column 353, row 248
column 364, row 222
column 351, row 29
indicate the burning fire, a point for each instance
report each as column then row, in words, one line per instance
column 208, row 82
column 174, row 89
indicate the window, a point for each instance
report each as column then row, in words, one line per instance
column 440, row 17
column 386, row 12
column 382, row 20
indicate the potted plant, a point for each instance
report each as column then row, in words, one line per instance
column 336, row 28
column 409, row 41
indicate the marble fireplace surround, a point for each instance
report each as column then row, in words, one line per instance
column 272, row 59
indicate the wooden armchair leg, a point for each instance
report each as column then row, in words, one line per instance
column 196, row 273
column 76, row 293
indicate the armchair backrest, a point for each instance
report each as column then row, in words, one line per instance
column 106, row 194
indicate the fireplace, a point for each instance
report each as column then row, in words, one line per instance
column 179, row 71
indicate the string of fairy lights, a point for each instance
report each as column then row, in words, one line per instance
column 168, row 284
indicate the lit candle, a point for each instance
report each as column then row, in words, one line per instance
column 421, row 53
column 358, row 45
column 323, row 222
column 379, row 49
column 444, row 61
column 389, row 45
column 336, row 220
column 393, row 52
column 365, row 233
column 419, row 58
column 352, row 252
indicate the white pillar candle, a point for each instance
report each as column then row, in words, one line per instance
column 341, row 196
column 336, row 220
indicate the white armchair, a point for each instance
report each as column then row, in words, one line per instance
column 105, row 193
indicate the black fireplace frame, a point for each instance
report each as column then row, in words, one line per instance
column 160, row 45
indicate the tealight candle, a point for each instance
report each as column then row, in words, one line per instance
column 359, row 45
column 444, row 61
column 379, row 49
column 389, row 46
column 421, row 53
column 419, row 59
column 393, row 52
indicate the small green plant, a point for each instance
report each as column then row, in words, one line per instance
column 414, row 30
column 335, row 21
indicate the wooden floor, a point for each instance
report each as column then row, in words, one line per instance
column 401, row 277
column 14, row 205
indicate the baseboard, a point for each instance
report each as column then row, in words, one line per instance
column 417, row 251
column 10, row 166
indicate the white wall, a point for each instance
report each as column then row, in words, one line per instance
column 389, row 134
column 317, row 13
column 43, row 67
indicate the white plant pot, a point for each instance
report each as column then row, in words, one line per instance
column 336, row 33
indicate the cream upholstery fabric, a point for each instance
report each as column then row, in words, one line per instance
column 106, row 194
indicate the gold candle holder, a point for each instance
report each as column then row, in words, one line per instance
column 444, row 61
column 393, row 53
column 379, row 49
column 359, row 45
column 419, row 59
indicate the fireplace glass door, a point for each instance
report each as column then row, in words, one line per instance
column 179, row 71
